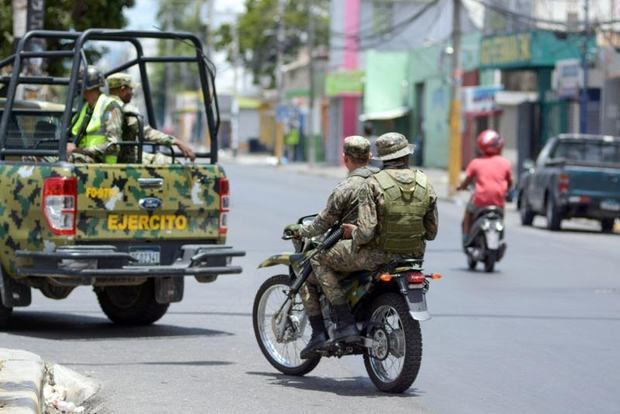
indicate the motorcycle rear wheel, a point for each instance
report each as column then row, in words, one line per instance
column 283, row 356
column 404, row 345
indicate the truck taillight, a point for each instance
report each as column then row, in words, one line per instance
column 60, row 204
column 223, row 189
column 563, row 182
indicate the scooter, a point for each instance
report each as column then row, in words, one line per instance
column 485, row 241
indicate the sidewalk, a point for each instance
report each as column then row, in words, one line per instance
column 28, row 385
column 437, row 177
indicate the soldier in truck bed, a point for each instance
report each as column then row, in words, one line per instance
column 121, row 87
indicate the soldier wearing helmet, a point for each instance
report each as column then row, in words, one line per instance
column 491, row 173
column 122, row 87
column 97, row 127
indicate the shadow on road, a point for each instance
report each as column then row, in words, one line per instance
column 62, row 326
column 150, row 363
column 346, row 387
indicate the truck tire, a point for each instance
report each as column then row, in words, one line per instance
column 131, row 305
column 607, row 225
column 554, row 218
column 5, row 316
column 526, row 214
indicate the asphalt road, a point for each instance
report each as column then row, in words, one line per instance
column 539, row 335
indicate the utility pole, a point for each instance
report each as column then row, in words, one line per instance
column 279, row 141
column 454, row 167
column 310, row 133
column 583, row 101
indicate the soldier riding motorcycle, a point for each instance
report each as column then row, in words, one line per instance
column 387, row 303
column 483, row 222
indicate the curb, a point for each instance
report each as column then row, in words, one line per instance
column 22, row 376
column 28, row 385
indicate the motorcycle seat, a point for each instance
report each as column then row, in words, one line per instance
column 488, row 211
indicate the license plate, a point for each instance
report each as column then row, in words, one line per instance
column 145, row 255
column 492, row 240
column 610, row 205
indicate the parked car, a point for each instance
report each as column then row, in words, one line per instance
column 575, row 175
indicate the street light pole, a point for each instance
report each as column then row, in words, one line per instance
column 279, row 141
column 454, row 167
column 583, row 101
column 310, row 133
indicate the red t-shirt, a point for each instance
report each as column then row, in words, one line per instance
column 492, row 175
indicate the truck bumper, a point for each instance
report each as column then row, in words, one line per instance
column 205, row 262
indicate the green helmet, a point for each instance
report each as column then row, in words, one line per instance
column 94, row 78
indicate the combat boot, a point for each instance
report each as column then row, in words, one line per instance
column 345, row 326
column 318, row 338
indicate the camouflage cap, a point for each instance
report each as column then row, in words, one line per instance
column 116, row 80
column 356, row 146
column 393, row 145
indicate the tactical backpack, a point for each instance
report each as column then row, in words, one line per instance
column 406, row 202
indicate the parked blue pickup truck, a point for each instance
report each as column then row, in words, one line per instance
column 575, row 175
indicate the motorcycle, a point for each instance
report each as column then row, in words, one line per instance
column 387, row 304
column 485, row 241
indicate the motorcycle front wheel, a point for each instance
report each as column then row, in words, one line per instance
column 394, row 360
column 283, row 353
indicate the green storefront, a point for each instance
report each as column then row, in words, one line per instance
column 536, row 51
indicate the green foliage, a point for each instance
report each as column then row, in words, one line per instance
column 65, row 15
column 257, row 33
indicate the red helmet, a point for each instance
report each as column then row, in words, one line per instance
column 490, row 142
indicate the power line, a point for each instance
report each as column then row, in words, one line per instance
column 392, row 31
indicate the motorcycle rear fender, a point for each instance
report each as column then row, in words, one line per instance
column 277, row 259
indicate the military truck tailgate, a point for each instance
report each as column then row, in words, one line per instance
column 133, row 202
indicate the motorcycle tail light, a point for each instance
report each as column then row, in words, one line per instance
column 415, row 278
column 386, row 277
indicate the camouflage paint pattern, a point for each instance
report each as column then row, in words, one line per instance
column 22, row 224
column 188, row 191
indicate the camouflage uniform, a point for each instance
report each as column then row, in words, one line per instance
column 112, row 120
column 131, row 125
column 341, row 206
column 363, row 252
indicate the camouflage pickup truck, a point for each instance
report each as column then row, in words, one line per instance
column 132, row 231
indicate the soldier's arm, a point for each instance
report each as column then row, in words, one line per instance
column 152, row 135
column 431, row 218
column 366, row 216
column 326, row 218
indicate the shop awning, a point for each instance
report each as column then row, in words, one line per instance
column 383, row 115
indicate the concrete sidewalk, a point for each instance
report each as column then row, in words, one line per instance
column 22, row 377
column 28, row 385
column 437, row 177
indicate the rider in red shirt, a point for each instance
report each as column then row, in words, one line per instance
column 491, row 173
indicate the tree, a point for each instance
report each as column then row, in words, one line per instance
column 257, row 29
column 65, row 15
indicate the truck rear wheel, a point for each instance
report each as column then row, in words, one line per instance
column 607, row 225
column 5, row 316
column 131, row 305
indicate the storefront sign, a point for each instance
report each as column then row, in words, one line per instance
column 509, row 50
column 480, row 99
column 568, row 78
column 344, row 83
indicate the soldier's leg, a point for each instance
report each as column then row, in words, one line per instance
column 310, row 297
column 339, row 258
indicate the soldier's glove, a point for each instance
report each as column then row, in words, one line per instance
column 292, row 231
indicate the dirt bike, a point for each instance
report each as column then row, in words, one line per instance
column 387, row 304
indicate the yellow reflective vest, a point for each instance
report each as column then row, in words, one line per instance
column 94, row 134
